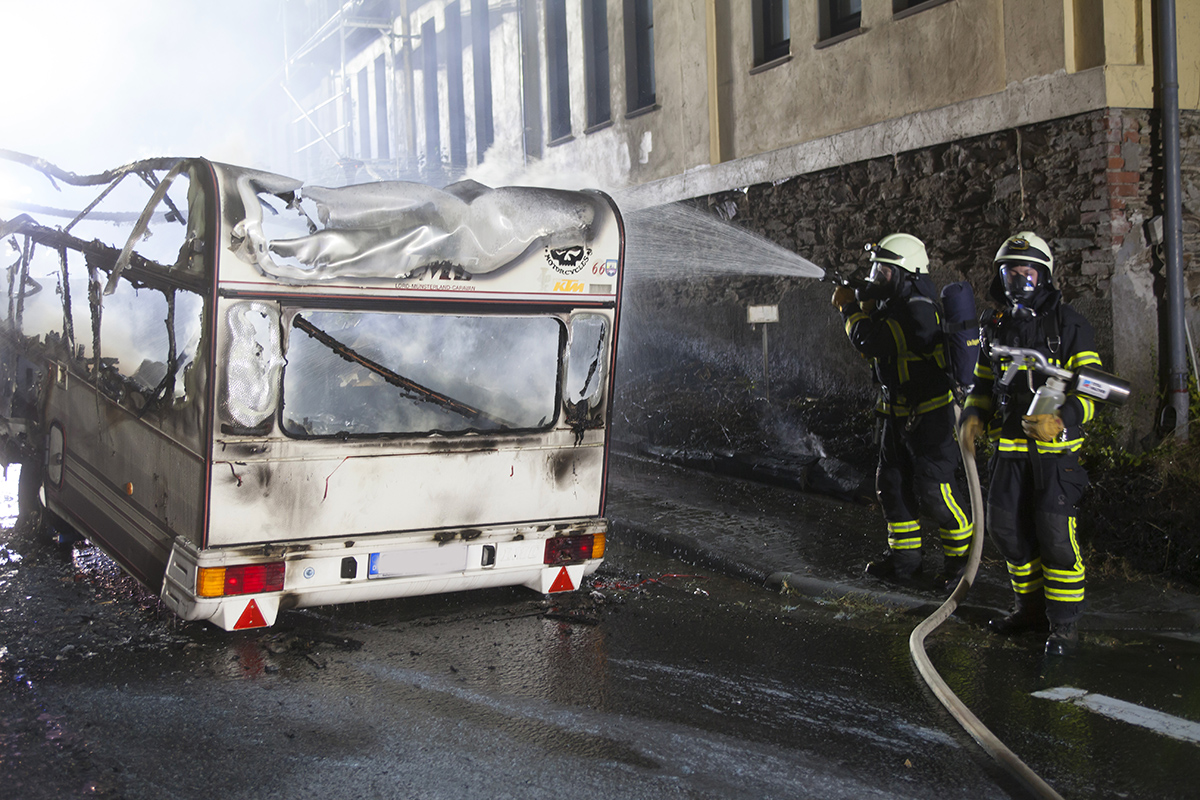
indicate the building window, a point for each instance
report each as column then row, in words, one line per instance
column 455, row 102
column 639, row 53
column 429, row 71
column 595, row 61
column 841, row 16
column 481, row 67
column 772, row 31
column 382, row 139
column 558, row 85
column 363, row 103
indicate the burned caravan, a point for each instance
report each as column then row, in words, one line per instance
column 257, row 395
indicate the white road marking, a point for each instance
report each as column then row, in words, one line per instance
column 1176, row 728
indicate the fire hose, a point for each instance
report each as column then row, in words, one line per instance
column 916, row 645
column 1085, row 381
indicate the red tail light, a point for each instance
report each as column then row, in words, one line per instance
column 240, row 579
column 567, row 549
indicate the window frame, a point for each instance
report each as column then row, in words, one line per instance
column 597, row 64
column 641, row 91
column 558, row 76
column 769, row 45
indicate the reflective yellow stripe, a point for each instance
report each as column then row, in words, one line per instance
column 1089, row 408
column 1083, row 358
column 1024, row 569
column 853, row 319
column 904, row 527
column 960, row 516
column 982, row 402
column 1022, row 446
column 1027, row 587
column 1074, row 575
column 1064, row 596
column 904, row 544
column 897, row 410
column 984, row 371
column 901, row 350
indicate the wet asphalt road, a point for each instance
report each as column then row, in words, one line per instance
column 660, row 680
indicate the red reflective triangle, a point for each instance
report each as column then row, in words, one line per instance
column 250, row 618
column 563, row 582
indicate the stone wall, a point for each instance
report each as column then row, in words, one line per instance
column 1088, row 184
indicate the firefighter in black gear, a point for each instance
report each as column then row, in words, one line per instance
column 1036, row 479
column 895, row 323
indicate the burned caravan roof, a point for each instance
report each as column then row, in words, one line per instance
column 402, row 233
column 277, row 232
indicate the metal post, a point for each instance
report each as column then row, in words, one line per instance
column 1177, row 387
column 766, row 368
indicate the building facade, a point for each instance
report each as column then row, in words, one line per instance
column 821, row 124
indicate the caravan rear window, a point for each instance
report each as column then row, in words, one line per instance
column 362, row 373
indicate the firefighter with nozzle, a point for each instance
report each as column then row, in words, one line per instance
column 1036, row 478
column 893, row 320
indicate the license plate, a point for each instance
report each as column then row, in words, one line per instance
column 431, row 561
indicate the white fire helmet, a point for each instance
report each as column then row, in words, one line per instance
column 1026, row 247
column 902, row 250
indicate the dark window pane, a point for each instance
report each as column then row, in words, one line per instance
column 844, row 16
column 481, row 67
column 558, row 86
column 595, row 32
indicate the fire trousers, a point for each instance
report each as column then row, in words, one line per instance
column 917, row 460
column 1031, row 519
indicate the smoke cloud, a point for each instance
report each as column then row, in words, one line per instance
column 92, row 85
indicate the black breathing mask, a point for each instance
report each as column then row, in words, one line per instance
column 1022, row 291
column 880, row 285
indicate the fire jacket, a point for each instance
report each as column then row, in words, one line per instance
column 1066, row 338
column 903, row 339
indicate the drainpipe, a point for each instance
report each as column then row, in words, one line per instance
column 1177, row 386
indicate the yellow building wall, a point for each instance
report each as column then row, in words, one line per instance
column 1118, row 36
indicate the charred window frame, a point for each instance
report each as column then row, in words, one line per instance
column 455, row 93
column 640, row 90
column 481, row 68
column 558, row 83
column 840, row 18
column 772, row 31
column 596, row 68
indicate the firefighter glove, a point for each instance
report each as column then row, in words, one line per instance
column 842, row 296
column 1043, row 427
column 971, row 428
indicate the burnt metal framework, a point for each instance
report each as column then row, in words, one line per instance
column 117, row 264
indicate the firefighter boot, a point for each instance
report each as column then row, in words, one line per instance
column 1029, row 613
column 900, row 566
column 1064, row 638
column 953, row 568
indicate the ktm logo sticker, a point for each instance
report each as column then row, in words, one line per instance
column 568, row 260
column 568, row 286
